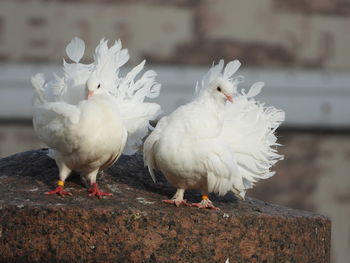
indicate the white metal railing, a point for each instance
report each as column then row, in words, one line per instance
column 310, row 98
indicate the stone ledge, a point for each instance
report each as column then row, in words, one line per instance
column 134, row 226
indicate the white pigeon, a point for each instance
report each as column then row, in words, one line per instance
column 90, row 114
column 213, row 145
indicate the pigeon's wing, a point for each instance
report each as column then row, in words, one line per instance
column 118, row 153
column 135, row 112
column 52, row 116
column 149, row 144
column 53, row 119
column 249, row 130
column 55, row 124
column 221, row 167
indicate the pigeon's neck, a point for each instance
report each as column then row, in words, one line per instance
column 104, row 97
column 216, row 103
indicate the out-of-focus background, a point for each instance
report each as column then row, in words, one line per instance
column 300, row 49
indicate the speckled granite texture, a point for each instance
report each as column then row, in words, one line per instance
column 134, row 226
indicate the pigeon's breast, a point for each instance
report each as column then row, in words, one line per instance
column 185, row 144
column 101, row 134
column 181, row 165
column 179, row 158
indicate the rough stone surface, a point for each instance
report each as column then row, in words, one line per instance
column 134, row 226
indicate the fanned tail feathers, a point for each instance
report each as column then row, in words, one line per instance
column 137, row 113
column 249, row 128
column 38, row 82
column 75, row 49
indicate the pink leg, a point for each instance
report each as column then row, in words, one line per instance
column 94, row 191
column 63, row 174
column 178, row 199
column 205, row 203
column 177, row 203
column 59, row 191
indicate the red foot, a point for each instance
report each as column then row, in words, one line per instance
column 206, row 204
column 59, row 191
column 176, row 202
column 94, row 191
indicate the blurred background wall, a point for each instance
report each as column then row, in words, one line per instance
column 299, row 48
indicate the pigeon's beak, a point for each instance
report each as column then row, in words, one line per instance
column 90, row 93
column 229, row 98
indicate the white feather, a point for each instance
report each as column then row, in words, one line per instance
column 89, row 135
column 136, row 113
column 231, row 68
column 150, row 144
column 38, row 82
column 75, row 49
column 216, row 70
column 255, row 89
column 213, row 147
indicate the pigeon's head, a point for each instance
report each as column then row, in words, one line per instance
column 94, row 86
column 221, row 89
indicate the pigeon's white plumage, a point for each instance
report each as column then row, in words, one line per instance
column 213, row 145
column 88, row 115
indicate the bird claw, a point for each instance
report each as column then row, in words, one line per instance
column 59, row 191
column 94, row 191
column 176, row 202
column 205, row 204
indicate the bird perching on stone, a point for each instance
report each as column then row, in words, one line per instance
column 90, row 115
column 222, row 141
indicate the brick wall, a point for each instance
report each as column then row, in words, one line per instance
column 310, row 34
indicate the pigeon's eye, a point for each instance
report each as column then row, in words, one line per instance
column 99, row 85
column 218, row 89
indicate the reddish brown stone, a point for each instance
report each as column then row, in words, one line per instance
column 134, row 226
